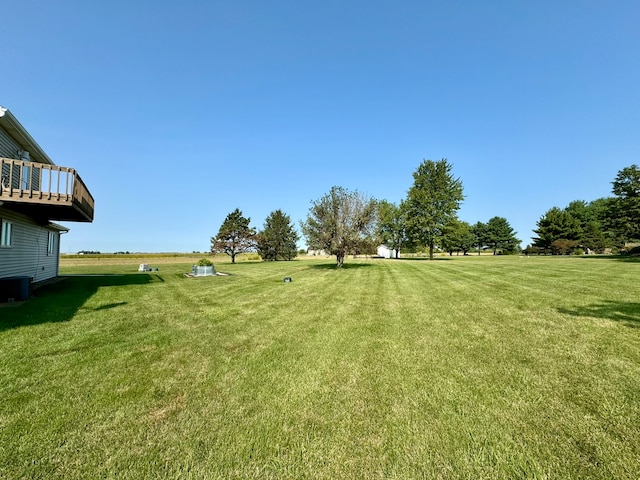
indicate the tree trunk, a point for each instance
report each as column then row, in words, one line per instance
column 431, row 250
column 339, row 259
column 233, row 257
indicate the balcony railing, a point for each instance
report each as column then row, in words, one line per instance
column 48, row 192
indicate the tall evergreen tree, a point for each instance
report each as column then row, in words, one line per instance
column 592, row 222
column 500, row 235
column 624, row 209
column 556, row 224
column 235, row 236
column 278, row 239
column 432, row 202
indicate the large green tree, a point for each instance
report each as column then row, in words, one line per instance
column 500, row 236
column 479, row 231
column 432, row 202
column 592, row 219
column 235, row 236
column 556, row 224
column 624, row 209
column 392, row 228
column 340, row 222
column 457, row 236
column 278, row 239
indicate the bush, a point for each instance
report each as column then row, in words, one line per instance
column 633, row 251
column 204, row 262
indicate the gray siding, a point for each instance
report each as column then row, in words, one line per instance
column 8, row 146
column 28, row 253
column 8, row 149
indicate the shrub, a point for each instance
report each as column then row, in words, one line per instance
column 633, row 251
column 204, row 262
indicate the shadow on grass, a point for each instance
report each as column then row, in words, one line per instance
column 620, row 258
column 59, row 301
column 426, row 259
column 345, row 266
column 627, row 313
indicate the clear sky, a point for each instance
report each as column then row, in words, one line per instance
column 176, row 113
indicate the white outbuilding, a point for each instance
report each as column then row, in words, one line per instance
column 386, row 252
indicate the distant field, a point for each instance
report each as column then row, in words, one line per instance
column 461, row 367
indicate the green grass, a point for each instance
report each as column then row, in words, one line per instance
column 456, row 368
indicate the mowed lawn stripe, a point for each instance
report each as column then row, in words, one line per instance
column 458, row 368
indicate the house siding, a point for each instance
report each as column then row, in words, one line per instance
column 8, row 149
column 28, row 254
column 8, row 146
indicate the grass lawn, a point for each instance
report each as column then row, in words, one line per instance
column 467, row 367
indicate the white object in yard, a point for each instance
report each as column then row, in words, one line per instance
column 203, row 270
column 385, row 252
column 144, row 267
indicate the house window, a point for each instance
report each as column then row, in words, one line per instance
column 51, row 244
column 6, row 234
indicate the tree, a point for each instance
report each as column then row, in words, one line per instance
column 457, row 236
column 391, row 228
column 278, row 239
column 500, row 236
column 624, row 209
column 340, row 222
column 556, row 224
column 627, row 182
column 235, row 236
column 591, row 216
column 562, row 246
column 593, row 238
column 479, row 231
column 432, row 202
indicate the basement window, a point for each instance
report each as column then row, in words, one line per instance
column 6, row 234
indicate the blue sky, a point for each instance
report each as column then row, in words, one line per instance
column 176, row 113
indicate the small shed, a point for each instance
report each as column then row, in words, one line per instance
column 386, row 252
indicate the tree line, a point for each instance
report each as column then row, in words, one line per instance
column 344, row 222
column 276, row 241
column 611, row 223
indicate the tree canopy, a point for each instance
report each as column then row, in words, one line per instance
column 624, row 209
column 278, row 239
column 340, row 222
column 457, row 236
column 235, row 236
column 432, row 202
column 500, row 236
column 556, row 224
column 392, row 230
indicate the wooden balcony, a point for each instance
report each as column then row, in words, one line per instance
column 45, row 192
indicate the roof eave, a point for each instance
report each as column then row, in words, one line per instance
column 22, row 137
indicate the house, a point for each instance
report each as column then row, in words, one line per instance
column 34, row 192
